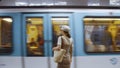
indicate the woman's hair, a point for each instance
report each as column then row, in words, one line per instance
column 67, row 34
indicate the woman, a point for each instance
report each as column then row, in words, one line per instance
column 65, row 42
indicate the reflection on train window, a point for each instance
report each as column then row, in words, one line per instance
column 5, row 35
column 56, row 23
column 102, row 34
column 35, row 38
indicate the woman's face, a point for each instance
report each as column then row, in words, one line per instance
column 62, row 32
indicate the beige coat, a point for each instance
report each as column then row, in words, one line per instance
column 67, row 45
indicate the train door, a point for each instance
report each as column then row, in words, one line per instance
column 10, row 40
column 55, row 21
column 35, row 35
column 40, row 33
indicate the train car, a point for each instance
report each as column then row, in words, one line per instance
column 27, row 36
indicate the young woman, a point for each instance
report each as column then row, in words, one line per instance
column 65, row 42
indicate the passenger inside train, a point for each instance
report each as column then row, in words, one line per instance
column 102, row 35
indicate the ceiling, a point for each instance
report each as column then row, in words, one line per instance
column 59, row 2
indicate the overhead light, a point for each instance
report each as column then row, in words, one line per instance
column 50, row 4
column 93, row 4
column 114, row 2
column 7, row 19
column 29, row 19
column 39, row 4
column 102, row 19
column 34, row 4
column 61, row 3
column 21, row 3
column 60, row 18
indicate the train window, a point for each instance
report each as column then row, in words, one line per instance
column 5, row 35
column 35, row 38
column 102, row 34
column 56, row 23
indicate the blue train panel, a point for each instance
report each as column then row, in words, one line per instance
column 10, row 40
column 28, row 39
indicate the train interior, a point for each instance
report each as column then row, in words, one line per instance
column 108, row 30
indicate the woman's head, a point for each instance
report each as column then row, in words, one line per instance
column 65, row 30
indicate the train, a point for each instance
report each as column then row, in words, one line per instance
column 27, row 36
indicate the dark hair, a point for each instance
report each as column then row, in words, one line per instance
column 67, row 34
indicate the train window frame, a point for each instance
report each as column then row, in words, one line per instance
column 12, row 36
column 26, row 36
column 85, row 47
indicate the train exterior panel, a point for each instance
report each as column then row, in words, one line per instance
column 11, row 53
column 34, row 34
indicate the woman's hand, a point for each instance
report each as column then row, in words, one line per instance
column 70, row 60
column 56, row 48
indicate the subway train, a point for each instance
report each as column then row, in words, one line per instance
column 27, row 36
